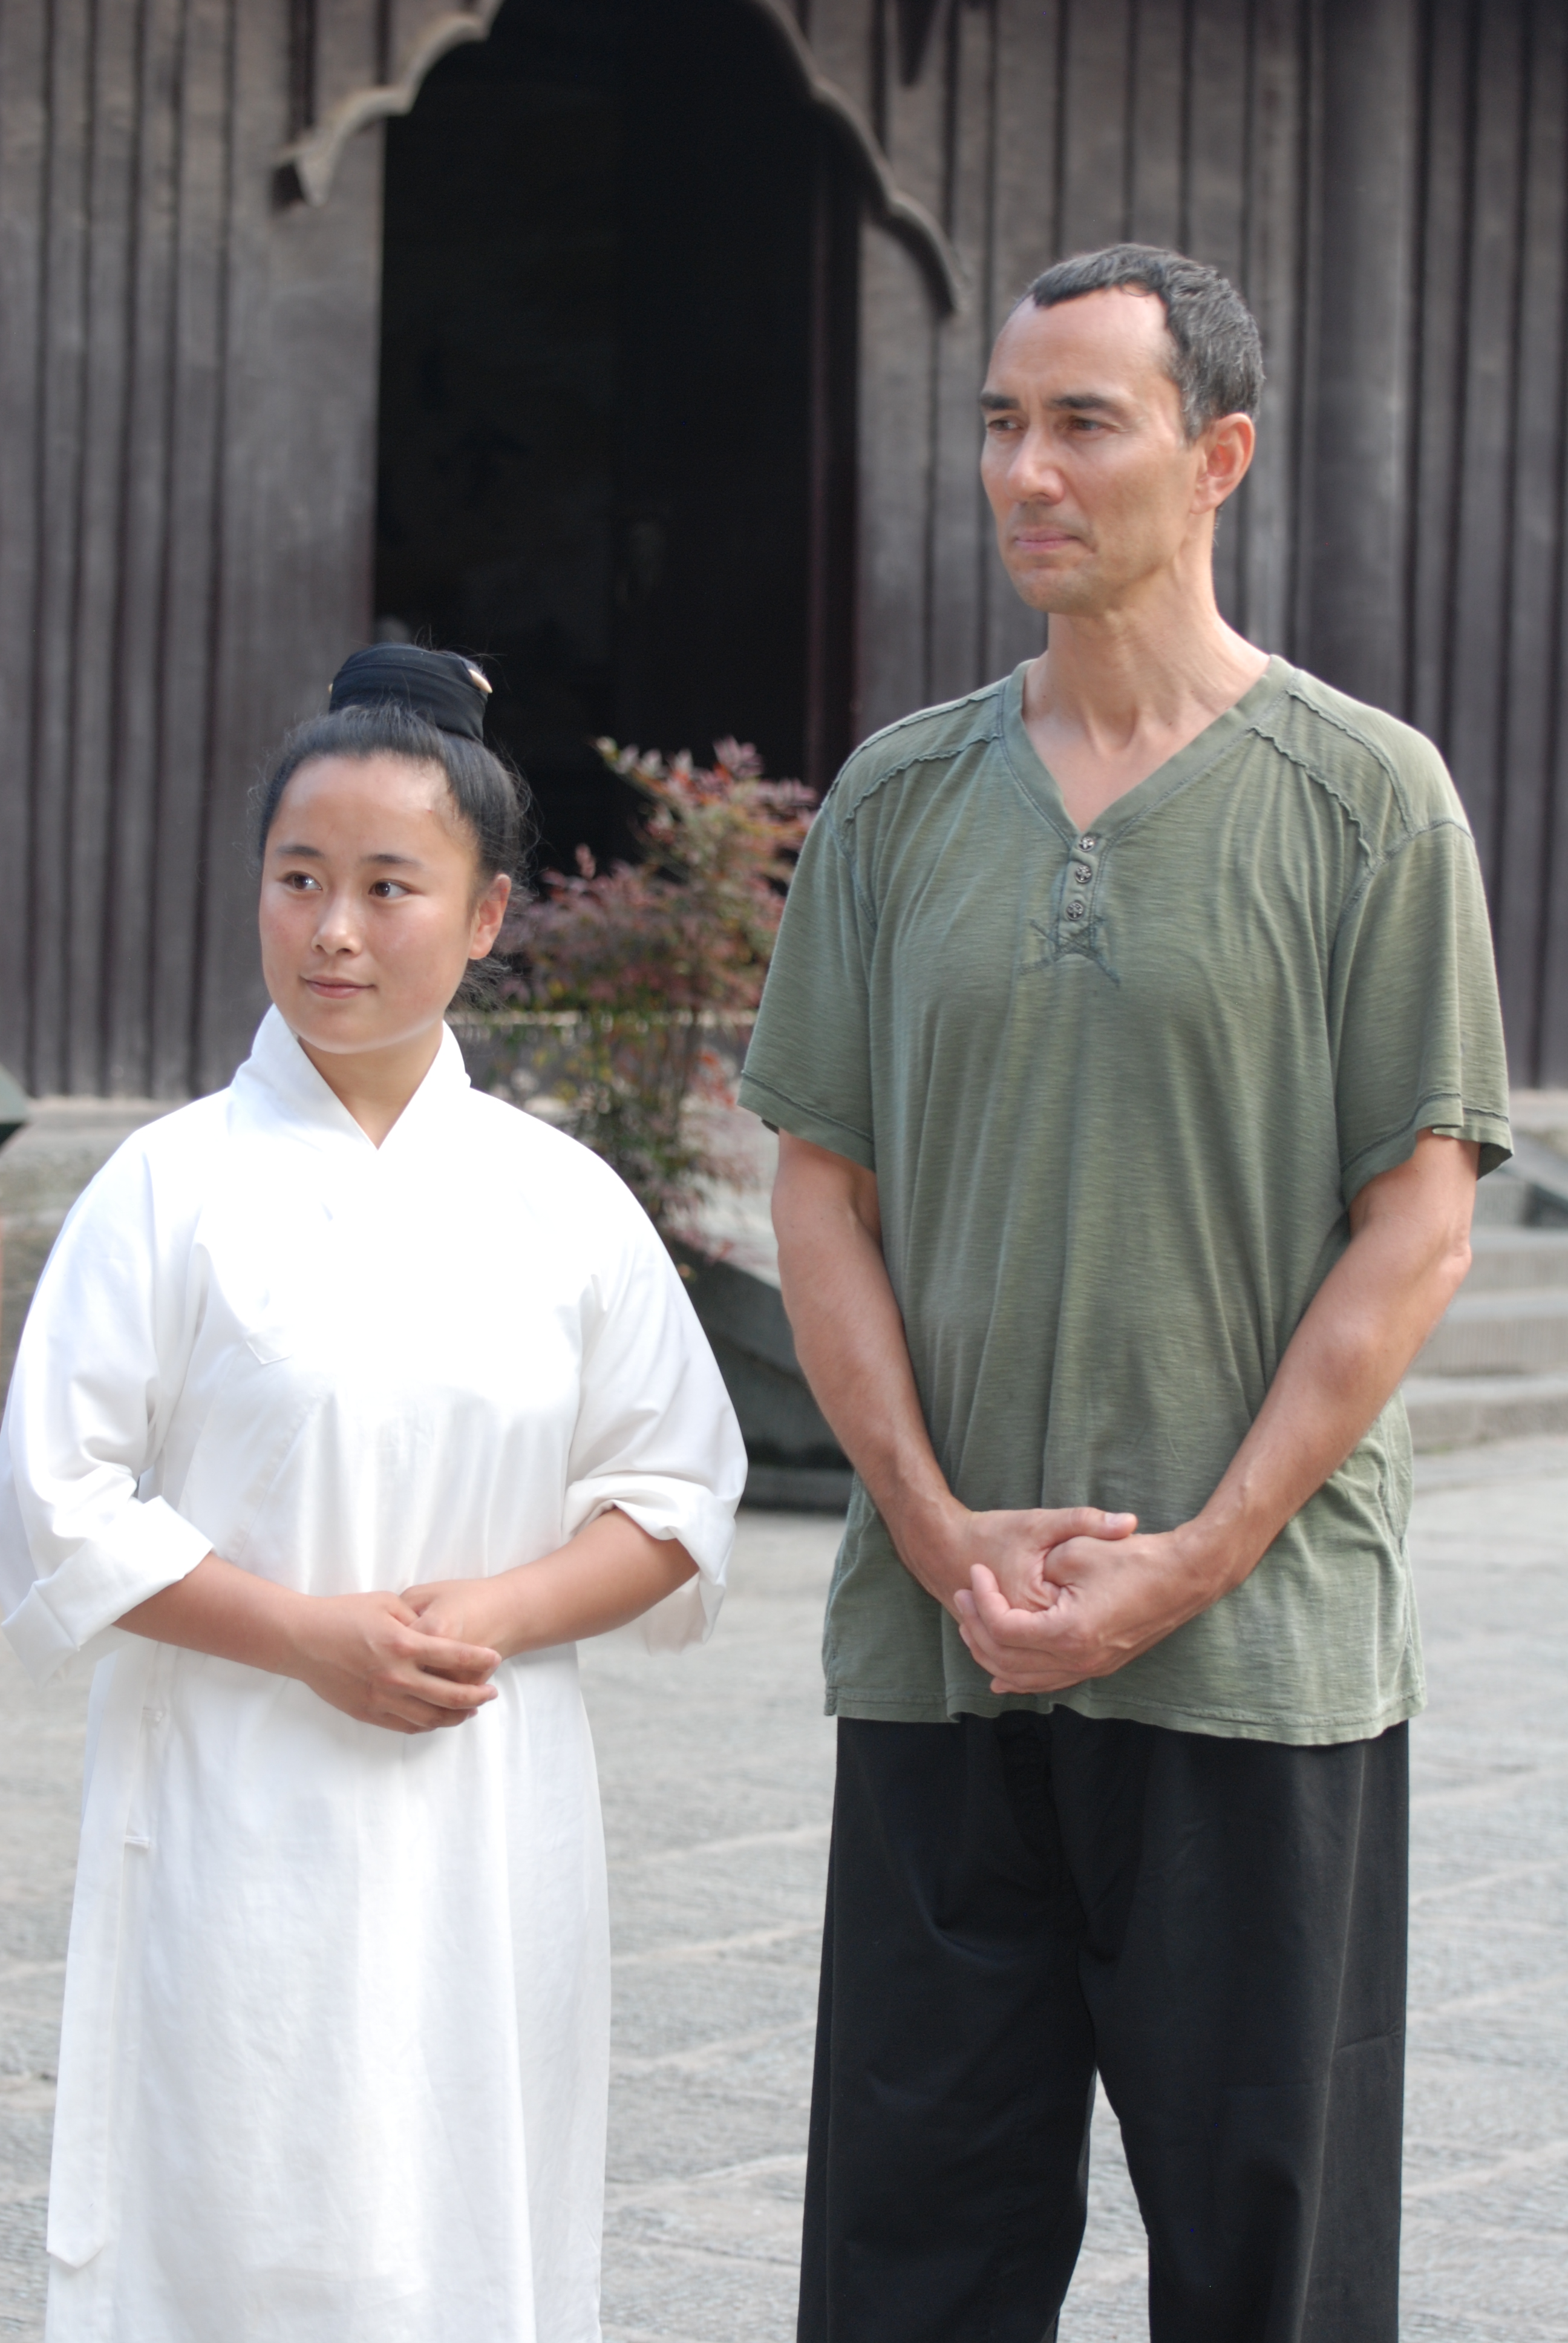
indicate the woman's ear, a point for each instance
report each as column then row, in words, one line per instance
column 488, row 912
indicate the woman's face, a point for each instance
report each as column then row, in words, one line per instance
column 371, row 902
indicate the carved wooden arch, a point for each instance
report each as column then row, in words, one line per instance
column 312, row 157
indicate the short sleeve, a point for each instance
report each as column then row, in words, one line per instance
column 808, row 1067
column 1417, row 1031
column 655, row 1435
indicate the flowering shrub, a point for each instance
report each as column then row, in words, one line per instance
column 642, row 962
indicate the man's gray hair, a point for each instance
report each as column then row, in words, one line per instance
column 1217, row 355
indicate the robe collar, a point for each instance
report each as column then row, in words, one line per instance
column 277, row 1077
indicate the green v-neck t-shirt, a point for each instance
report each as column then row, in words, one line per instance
column 1119, row 1090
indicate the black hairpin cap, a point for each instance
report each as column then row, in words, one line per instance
column 440, row 686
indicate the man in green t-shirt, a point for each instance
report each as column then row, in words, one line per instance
column 1132, row 1038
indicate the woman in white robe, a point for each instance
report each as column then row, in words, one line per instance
column 352, row 1396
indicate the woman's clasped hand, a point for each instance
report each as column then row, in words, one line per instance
column 371, row 1657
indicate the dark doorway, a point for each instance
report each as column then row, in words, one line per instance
column 616, row 432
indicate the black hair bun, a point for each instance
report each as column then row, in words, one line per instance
column 442, row 687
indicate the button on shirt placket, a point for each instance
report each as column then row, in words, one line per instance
column 1081, row 876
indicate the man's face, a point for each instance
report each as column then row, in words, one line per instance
column 1093, row 483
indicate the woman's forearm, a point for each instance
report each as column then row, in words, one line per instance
column 227, row 1612
column 610, row 1573
column 369, row 1654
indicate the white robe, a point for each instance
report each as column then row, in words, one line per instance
column 335, row 2054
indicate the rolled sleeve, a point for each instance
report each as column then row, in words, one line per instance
column 69, row 1615
column 101, row 1356
column 655, row 1435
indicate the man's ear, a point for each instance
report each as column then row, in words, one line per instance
column 1228, row 443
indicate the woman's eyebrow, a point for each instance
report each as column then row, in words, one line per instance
column 403, row 862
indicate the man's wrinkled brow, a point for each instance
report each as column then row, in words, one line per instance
column 1066, row 402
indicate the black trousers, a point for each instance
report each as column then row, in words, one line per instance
column 1217, row 1927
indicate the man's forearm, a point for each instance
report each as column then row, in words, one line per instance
column 1344, row 1362
column 850, row 1340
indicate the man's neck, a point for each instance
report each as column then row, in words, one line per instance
column 1119, row 694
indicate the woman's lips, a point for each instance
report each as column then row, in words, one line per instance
column 334, row 987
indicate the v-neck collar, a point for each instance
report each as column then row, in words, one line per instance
column 1040, row 783
column 278, row 1067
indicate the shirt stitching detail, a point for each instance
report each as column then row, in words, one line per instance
column 1319, row 780
column 840, row 847
column 937, row 753
column 1377, row 864
column 1351, row 732
column 1086, row 947
column 1115, row 832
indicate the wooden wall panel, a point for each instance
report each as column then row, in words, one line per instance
column 1523, row 848
column 1443, row 272
column 847, row 38
column 1550, row 990
column 24, row 172
column 1475, row 728
column 1092, row 120
column 108, row 270
column 893, row 482
column 1091, row 124
column 1022, row 232
column 1486, row 542
column 961, row 534
column 187, row 385
column 297, row 500
column 1218, row 126
column 1387, row 181
column 202, row 379
column 899, row 359
column 1350, row 624
column 136, row 665
column 61, row 357
column 186, row 420
column 1272, row 273
column 137, row 636
column 1218, row 132
column 1157, row 115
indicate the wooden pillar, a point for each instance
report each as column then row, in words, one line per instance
column 1355, row 485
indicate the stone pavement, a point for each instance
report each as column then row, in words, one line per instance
column 717, row 1772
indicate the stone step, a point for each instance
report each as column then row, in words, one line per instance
column 1461, row 1411
column 1506, row 1260
column 1497, row 1366
column 1499, row 1334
